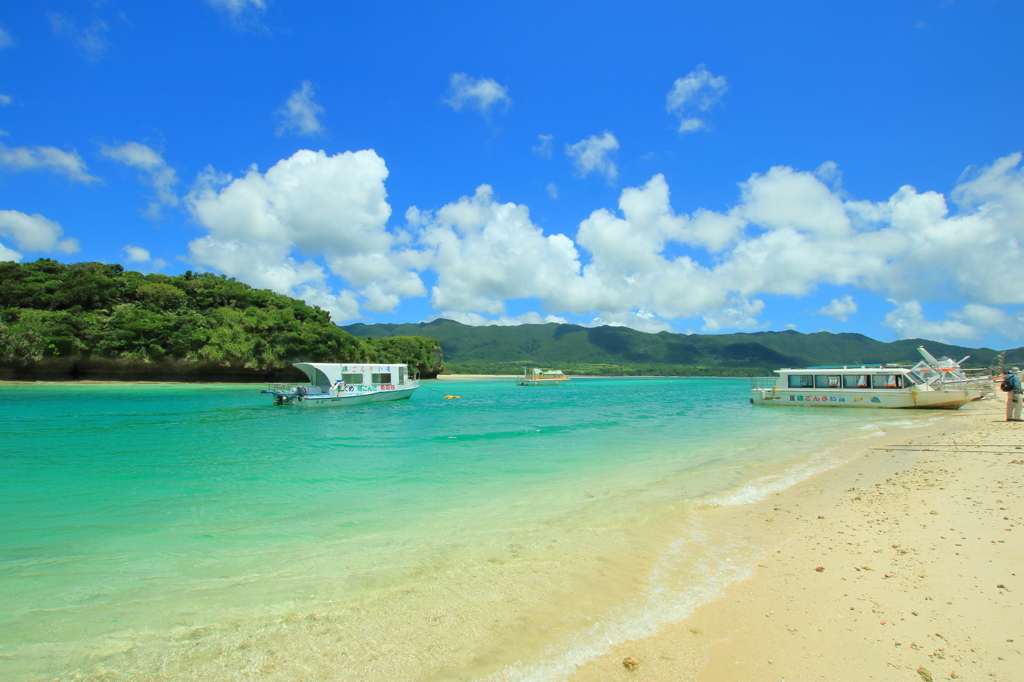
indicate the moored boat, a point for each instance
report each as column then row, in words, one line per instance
column 346, row 384
column 534, row 376
column 885, row 386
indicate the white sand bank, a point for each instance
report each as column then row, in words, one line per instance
column 905, row 564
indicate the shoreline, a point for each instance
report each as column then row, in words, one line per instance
column 444, row 377
column 900, row 594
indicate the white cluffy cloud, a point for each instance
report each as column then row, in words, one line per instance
column 788, row 234
column 477, row 320
column 244, row 14
column 485, row 252
column 479, row 93
column 7, row 254
column 237, row 7
column 157, row 174
column 300, row 113
column 141, row 259
column 69, row 164
column 592, row 156
column 33, row 233
column 642, row 265
column 543, row 147
column 739, row 313
column 641, row 320
column 267, row 229
column 840, row 309
column 696, row 91
column 970, row 323
column 5, row 99
column 135, row 254
column 5, row 38
column 91, row 39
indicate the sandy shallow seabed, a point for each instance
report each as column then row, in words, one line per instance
column 905, row 564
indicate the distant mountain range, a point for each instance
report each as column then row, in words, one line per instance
column 621, row 350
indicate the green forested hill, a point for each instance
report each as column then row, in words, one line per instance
column 620, row 350
column 93, row 320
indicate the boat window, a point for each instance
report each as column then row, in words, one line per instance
column 826, row 381
column 322, row 381
column 887, row 381
column 801, row 381
column 915, row 378
column 856, row 381
column 402, row 374
column 384, row 378
column 352, row 378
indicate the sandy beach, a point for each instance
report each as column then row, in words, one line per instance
column 904, row 564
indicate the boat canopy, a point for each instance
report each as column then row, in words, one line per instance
column 537, row 371
column 321, row 373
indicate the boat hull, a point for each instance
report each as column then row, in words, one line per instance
column 950, row 399
column 347, row 399
column 541, row 382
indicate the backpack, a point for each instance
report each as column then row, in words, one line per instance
column 1010, row 383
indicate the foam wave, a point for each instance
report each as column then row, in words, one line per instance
column 761, row 488
column 715, row 569
column 704, row 568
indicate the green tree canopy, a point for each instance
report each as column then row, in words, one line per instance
column 49, row 309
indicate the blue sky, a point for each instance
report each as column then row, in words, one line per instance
column 692, row 167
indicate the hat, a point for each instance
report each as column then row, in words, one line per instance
column 1015, row 370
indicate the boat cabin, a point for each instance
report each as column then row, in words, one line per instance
column 325, row 377
column 535, row 376
column 844, row 378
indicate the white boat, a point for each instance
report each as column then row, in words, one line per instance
column 534, row 376
column 346, row 384
column 886, row 386
column 953, row 373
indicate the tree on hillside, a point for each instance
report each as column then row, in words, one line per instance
column 51, row 310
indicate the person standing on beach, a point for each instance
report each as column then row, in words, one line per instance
column 1014, row 397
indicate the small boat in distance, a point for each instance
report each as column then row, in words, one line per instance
column 891, row 386
column 534, row 376
column 333, row 383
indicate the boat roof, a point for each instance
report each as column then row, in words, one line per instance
column 850, row 368
column 334, row 370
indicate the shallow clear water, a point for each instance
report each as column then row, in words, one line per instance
column 197, row 532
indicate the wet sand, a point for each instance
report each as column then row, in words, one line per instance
column 907, row 563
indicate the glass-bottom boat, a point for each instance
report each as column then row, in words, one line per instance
column 534, row 376
column 346, row 384
column 886, row 386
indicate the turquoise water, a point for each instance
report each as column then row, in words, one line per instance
column 166, row 532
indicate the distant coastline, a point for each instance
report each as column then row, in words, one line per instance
column 108, row 370
column 227, row 375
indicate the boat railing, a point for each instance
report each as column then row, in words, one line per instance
column 292, row 388
column 966, row 378
column 762, row 383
